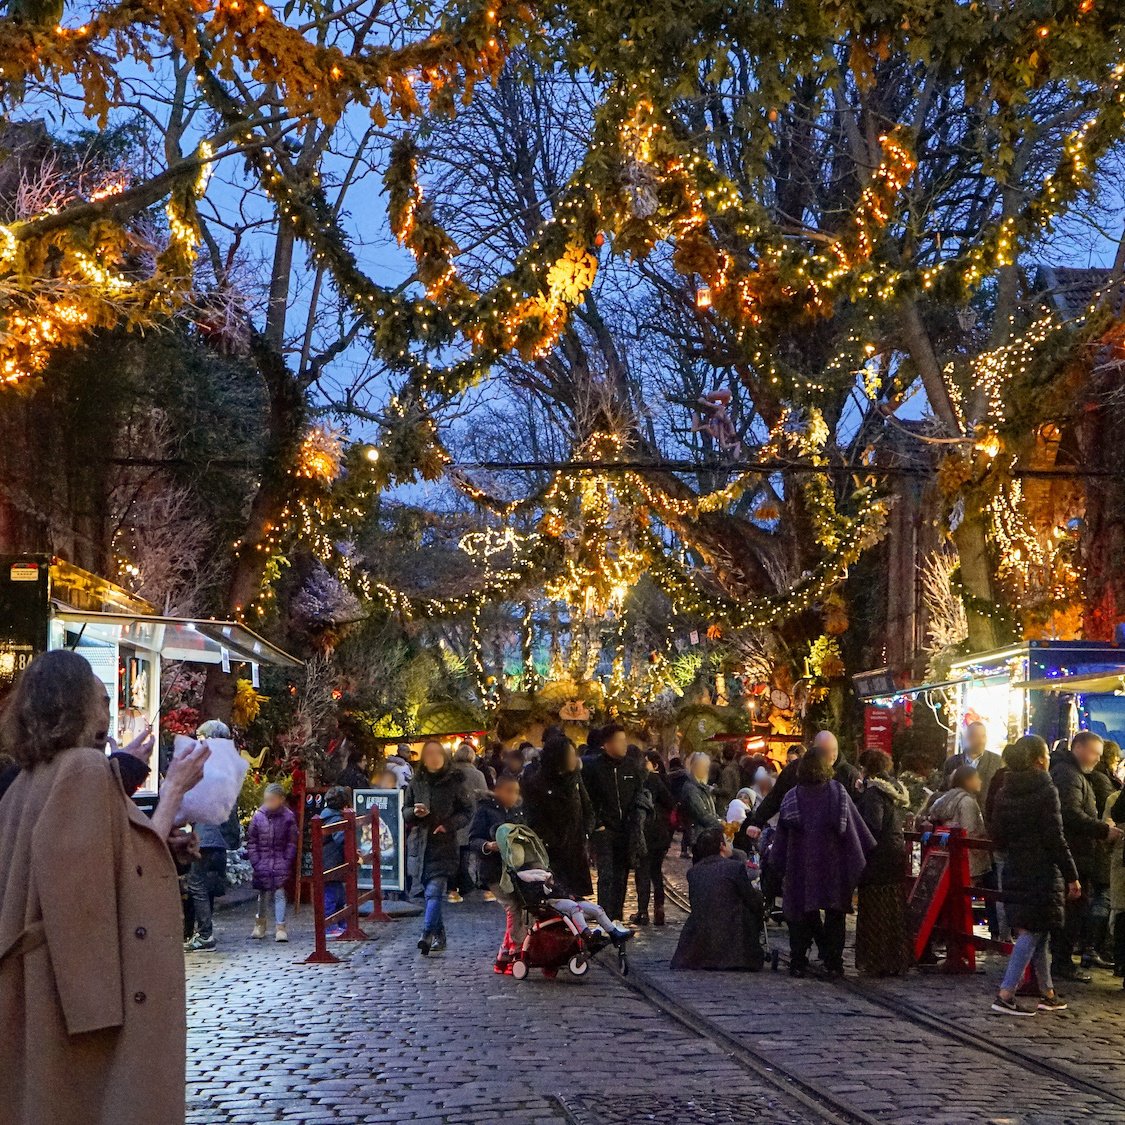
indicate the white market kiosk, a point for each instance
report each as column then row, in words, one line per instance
column 48, row 604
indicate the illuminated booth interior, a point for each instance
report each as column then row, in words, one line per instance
column 48, row 604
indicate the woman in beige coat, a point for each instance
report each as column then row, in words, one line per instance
column 91, row 962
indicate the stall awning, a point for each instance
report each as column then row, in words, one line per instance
column 177, row 638
column 1093, row 682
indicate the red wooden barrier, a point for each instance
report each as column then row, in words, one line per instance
column 353, row 900
column 948, row 906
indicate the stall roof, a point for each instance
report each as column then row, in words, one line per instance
column 199, row 640
column 1095, row 682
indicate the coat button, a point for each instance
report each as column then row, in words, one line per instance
column 140, row 870
column 140, row 931
column 139, row 997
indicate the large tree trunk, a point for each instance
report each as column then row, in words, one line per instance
column 287, row 416
column 286, row 425
column 971, row 536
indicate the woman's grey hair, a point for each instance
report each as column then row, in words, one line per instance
column 273, row 790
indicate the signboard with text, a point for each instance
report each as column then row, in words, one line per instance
column 392, row 851
column 878, row 728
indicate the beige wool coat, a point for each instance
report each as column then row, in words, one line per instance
column 92, row 1019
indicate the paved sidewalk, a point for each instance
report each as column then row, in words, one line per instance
column 389, row 1036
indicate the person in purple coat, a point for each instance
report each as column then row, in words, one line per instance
column 271, row 847
column 821, row 847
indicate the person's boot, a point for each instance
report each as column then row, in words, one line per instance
column 437, row 942
column 282, row 932
column 658, row 916
column 424, row 943
column 640, row 919
column 259, row 930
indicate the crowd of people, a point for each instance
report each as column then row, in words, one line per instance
column 823, row 837
column 90, row 879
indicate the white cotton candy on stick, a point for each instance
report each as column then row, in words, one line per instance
column 212, row 800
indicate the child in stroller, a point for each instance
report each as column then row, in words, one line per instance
column 559, row 931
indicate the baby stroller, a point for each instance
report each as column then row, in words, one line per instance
column 552, row 940
column 766, row 879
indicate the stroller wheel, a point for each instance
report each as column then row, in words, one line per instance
column 519, row 969
column 578, row 966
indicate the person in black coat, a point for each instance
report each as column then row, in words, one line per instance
column 434, row 808
column 501, row 806
column 1039, row 871
column 614, row 781
column 1105, row 783
column 1084, row 830
column 658, row 837
column 557, row 807
column 355, row 775
column 677, row 779
column 724, row 929
column 882, row 940
column 842, row 771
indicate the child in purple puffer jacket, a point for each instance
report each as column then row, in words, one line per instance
column 271, row 846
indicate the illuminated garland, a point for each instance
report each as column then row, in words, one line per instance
column 687, row 598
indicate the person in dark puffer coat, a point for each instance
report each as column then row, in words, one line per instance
column 1084, row 831
column 435, row 808
column 1039, row 871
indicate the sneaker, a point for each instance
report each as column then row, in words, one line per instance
column 1052, row 1003
column 199, row 944
column 618, row 932
column 334, row 933
column 1009, row 1007
column 502, row 966
column 454, row 897
column 488, row 896
column 424, row 944
column 638, row 920
column 593, row 940
column 437, row 943
column 259, row 930
column 281, row 934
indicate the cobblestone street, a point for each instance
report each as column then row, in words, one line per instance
column 388, row 1036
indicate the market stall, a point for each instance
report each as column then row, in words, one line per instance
column 1049, row 688
column 48, row 604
